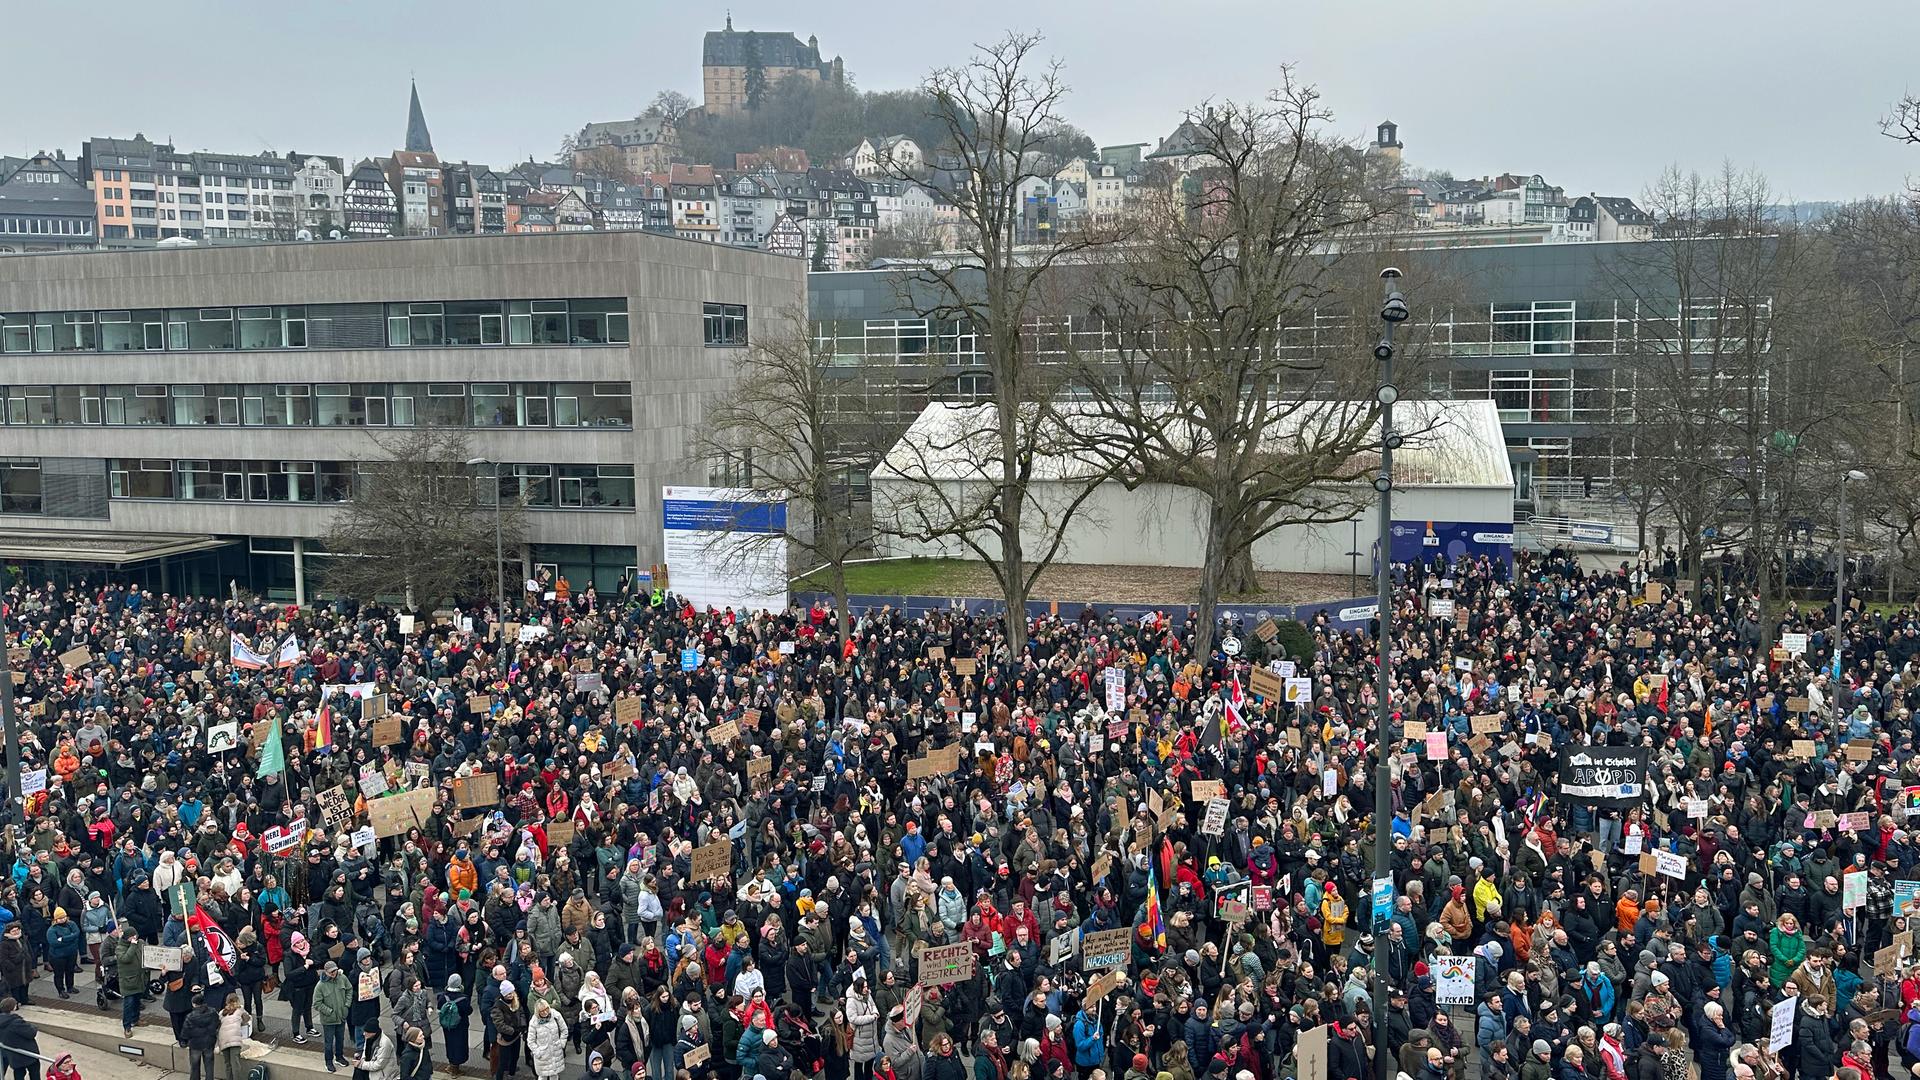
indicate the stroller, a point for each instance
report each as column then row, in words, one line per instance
column 109, row 989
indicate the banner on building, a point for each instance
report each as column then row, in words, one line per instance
column 1606, row 776
column 726, row 547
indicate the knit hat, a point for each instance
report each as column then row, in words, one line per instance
column 1541, row 1048
column 1139, row 1063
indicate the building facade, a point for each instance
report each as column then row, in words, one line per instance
column 44, row 206
column 198, row 413
column 733, row 61
column 372, row 209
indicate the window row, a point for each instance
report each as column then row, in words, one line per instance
column 502, row 404
column 325, row 326
column 538, row 486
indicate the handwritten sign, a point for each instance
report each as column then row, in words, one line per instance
column 1266, row 684
column 560, row 832
column 1215, row 823
column 373, row 707
column 1436, row 746
column 395, row 814
column 77, row 658
column 336, row 806
column 1102, row 949
column 473, row 792
column 713, row 861
column 627, row 710
column 389, row 731
column 941, row 965
column 1488, row 724
column 724, row 734
column 1208, row 789
column 479, row 703
column 965, row 665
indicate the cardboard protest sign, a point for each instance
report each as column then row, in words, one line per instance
column 336, row 807
column 392, row 815
column 697, row 1055
column 1859, row 750
column 373, row 707
column 560, row 832
column 724, row 734
column 1204, row 790
column 1413, row 731
column 1215, row 823
column 965, row 665
column 1266, row 683
column 759, row 768
column 942, row 965
column 1310, row 1054
column 1266, row 629
column 1102, row 949
column 1489, row 724
column 1104, row 985
column 77, row 658
column 936, row 652
column 1796, row 704
column 389, row 731
column 626, row 710
column 479, row 703
column 713, row 861
column 473, row 792
column 1802, row 749
column 1643, row 639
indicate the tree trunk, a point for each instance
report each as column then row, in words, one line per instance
column 843, row 617
column 1013, row 558
column 1213, row 575
column 1238, row 578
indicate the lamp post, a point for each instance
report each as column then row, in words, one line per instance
column 1393, row 311
column 499, row 565
column 1840, row 588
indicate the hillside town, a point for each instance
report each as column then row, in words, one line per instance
column 885, row 195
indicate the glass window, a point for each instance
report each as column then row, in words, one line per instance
column 201, row 328
column 590, row 322
column 16, row 333
column 520, row 323
column 531, row 484
column 473, row 322
column 531, row 402
column 1512, row 329
column 493, row 406
column 603, row 404
column 335, row 405
column 192, row 407
column 19, row 485
column 444, row 405
column 141, row 478
column 725, row 324
column 200, row 479
column 549, row 321
column 30, row 405
column 335, row 481
column 261, row 328
column 596, row 486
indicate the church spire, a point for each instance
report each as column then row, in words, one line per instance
column 418, row 139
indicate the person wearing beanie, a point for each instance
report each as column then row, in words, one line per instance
column 63, row 951
column 456, row 1005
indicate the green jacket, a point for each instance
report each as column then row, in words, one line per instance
column 133, row 974
column 332, row 998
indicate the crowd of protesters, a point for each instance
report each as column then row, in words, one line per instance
column 196, row 835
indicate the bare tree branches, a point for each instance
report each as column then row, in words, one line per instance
column 414, row 527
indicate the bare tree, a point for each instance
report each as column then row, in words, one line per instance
column 914, row 236
column 672, row 105
column 414, row 528
column 1239, row 371
column 797, row 417
column 998, row 113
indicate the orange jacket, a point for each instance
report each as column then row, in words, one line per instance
column 1626, row 913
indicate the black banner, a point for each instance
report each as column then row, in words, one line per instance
column 1614, row 777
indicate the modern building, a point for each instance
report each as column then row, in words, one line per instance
column 44, row 206
column 145, row 192
column 186, row 418
column 732, row 61
column 1542, row 330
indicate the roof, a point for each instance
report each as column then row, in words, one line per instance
column 66, row 196
column 1185, row 139
column 776, row 48
column 368, row 172
column 643, row 130
column 1448, row 444
column 419, row 140
column 1623, row 210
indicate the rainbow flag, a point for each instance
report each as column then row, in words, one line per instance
column 1150, row 913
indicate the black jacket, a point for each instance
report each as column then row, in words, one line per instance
column 18, row 1038
column 1814, row 1039
column 201, row 1029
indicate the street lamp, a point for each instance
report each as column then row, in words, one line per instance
column 1393, row 312
column 499, row 564
column 1840, row 587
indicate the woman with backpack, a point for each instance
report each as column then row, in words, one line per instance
column 453, row 1015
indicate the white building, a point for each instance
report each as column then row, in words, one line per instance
column 320, row 191
column 889, row 156
column 1453, row 470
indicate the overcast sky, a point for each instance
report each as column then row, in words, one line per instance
column 1596, row 97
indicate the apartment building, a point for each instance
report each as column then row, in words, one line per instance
column 44, row 206
column 186, row 418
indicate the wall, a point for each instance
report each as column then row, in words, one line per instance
column 1158, row 525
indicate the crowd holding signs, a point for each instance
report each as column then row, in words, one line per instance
column 1628, row 839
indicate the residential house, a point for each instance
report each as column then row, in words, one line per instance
column 372, row 209
column 749, row 204
column 259, row 200
column 418, row 182
column 1183, row 150
column 320, row 194
column 121, row 173
column 476, row 199
column 44, row 205
column 1106, row 191
column 1517, row 199
column 787, row 237
column 733, row 61
column 623, row 149
column 1038, row 211
column 781, row 158
column 696, row 203
column 1603, row 217
column 888, row 156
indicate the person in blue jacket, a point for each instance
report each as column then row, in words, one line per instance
column 1089, row 1041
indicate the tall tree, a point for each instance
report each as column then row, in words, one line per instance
column 806, row 428
column 672, row 105
column 997, row 113
column 1242, row 370
column 414, row 527
column 756, row 74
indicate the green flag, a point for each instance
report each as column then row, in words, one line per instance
column 273, row 755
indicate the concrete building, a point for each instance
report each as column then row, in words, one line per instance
column 190, row 417
column 1453, row 485
column 732, row 61
column 44, row 206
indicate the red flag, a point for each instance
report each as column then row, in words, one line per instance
column 219, row 945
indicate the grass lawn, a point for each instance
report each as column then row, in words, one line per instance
column 1075, row 584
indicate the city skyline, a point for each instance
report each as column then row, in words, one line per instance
column 1625, row 101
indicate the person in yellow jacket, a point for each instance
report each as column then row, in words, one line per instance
column 1484, row 892
column 1334, row 916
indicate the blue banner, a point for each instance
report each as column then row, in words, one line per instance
column 1424, row 540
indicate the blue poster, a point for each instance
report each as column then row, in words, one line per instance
column 1382, row 900
column 689, row 659
column 1426, row 539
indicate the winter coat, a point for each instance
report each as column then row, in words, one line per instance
column 18, row 1038
column 201, row 1029
column 864, row 1016
column 332, row 999
column 384, row 1064
column 63, row 940
column 1089, row 1041
column 235, row 1028
column 1813, row 1037
column 547, row 1039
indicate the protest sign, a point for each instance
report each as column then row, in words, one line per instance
column 560, row 832
column 223, row 737
column 1208, row 789
column 395, row 814
column 160, row 958
column 941, row 965
column 77, row 658
column 1614, row 777
column 1265, row 683
column 1780, row 1030
column 1853, row 890
column 626, row 710
column 759, row 769
column 1671, row 864
column 479, row 703
column 1453, row 980
column 1310, row 1054
column 1102, row 949
column 1488, row 724
column 389, row 731
column 473, row 792
column 1298, row 691
column 1436, row 746
column 712, row 861
column 336, row 806
column 33, row 781
column 724, row 734
column 1215, row 823
column 965, row 665
column 373, row 707
column 1413, row 731
column 1061, row 948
